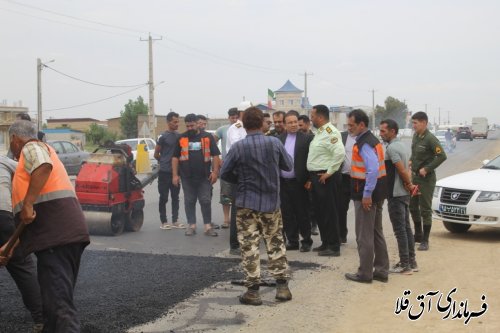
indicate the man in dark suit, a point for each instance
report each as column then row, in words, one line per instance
column 293, row 193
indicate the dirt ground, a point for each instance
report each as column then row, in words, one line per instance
column 326, row 302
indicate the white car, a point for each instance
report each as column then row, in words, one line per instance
column 469, row 198
column 150, row 147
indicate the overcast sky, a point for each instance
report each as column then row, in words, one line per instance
column 445, row 54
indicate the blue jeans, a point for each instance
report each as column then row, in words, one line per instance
column 197, row 190
column 399, row 213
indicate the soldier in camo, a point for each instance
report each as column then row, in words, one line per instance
column 254, row 164
column 252, row 227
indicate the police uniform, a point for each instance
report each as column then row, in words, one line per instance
column 326, row 154
column 426, row 152
column 273, row 132
column 235, row 133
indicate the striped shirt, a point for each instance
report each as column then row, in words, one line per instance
column 254, row 164
column 35, row 154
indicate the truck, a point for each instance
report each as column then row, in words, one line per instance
column 480, row 127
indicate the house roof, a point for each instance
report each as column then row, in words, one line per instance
column 60, row 131
column 70, row 120
column 289, row 87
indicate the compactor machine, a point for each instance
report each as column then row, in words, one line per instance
column 111, row 196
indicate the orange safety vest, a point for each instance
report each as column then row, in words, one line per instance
column 205, row 148
column 358, row 167
column 58, row 185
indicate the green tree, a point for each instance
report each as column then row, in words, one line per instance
column 393, row 109
column 98, row 135
column 128, row 121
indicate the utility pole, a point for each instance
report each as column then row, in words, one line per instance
column 305, row 82
column 448, row 117
column 39, row 67
column 151, row 114
column 439, row 116
column 39, row 93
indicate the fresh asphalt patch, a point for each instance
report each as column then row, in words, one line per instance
column 119, row 290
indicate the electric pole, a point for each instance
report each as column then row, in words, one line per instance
column 448, row 117
column 39, row 67
column 39, row 93
column 439, row 116
column 151, row 114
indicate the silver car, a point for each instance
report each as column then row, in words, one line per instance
column 70, row 155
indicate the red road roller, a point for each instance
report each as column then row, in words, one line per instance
column 111, row 196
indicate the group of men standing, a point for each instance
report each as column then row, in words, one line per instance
column 276, row 182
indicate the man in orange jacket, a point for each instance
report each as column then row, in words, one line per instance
column 43, row 198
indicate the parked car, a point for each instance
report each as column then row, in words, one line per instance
column 70, row 155
column 464, row 132
column 150, row 147
column 469, row 198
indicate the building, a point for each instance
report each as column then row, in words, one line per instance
column 66, row 134
column 78, row 124
column 7, row 117
column 289, row 97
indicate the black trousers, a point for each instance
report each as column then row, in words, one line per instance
column 233, row 230
column 294, row 211
column 324, row 195
column 164, row 186
column 343, row 201
column 22, row 270
column 57, row 272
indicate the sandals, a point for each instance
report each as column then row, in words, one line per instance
column 225, row 225
column 211, row 232
column 165, row 226
column 178, row 225
column 190, row 232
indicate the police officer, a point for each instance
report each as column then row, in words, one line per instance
column 279, row 124
column 326, row 154
column 426, row 155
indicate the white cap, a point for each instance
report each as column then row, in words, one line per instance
column 244, row 105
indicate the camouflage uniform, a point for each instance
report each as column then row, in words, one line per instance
column 252, row 227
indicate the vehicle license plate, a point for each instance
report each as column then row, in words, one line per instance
column 452, row 209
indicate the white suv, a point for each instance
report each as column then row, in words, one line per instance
column 150, row 147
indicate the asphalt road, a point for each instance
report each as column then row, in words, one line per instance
column 132, row 279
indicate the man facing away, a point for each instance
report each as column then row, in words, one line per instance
column 397, row 157
column 225, row 187
column 293, row 194
column 235, row 133
column 254, row 164
column 368, row 191
column 426, row 155
column 196, row 161
column 164, row 152
column 44, row 199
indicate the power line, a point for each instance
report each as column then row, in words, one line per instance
column 93, row 83
column 97, row 101
column 75, row 17
column 206, row 53
column 67, row 24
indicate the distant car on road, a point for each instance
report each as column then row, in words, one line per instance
column 150, row 147
column 70, row 155
column 464, row 132
column 469, row 198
